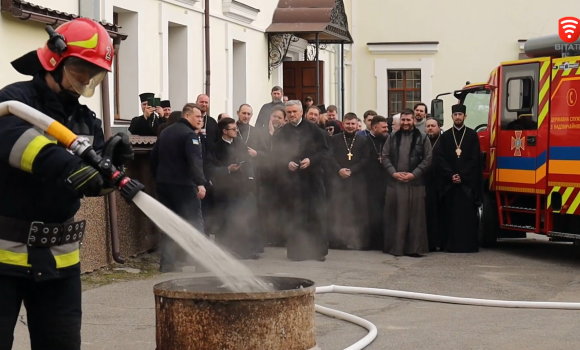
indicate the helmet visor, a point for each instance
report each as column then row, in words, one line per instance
column 83, row 76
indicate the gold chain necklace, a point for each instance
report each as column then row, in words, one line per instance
column 458, row 150
column 371, row 136
column 349, row 155
column 432, row 147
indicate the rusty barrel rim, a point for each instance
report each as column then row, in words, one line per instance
column 168, row 289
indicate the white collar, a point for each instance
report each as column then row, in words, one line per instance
column 300, row 121
column 230, row 141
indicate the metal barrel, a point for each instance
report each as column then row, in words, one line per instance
column 196, row 313
column 548, row 45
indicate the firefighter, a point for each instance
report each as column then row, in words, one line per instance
column 41, row 185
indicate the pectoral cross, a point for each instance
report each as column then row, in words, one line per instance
column 349, row 155
column 458, row 152
column 380, row 160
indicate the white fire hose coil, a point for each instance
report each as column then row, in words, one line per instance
column 371, row 336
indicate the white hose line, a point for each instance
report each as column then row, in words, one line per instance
column 370, row 337
column 364, row 342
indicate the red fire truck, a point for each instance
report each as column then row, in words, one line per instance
column 528, row 120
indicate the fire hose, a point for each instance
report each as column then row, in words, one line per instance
column 373, row 332
column 79, row 146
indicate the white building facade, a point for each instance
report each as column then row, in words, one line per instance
column 164, row 52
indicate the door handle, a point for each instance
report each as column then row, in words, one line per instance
column 531, row 140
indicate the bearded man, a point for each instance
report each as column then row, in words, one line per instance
column 406, row 156
column 461, row 184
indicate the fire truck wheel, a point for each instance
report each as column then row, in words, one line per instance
column 489, row 224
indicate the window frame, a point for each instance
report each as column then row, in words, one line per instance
column 532, row 92
column 508, row 119
column 404, row 90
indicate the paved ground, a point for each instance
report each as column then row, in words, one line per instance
column 121, row 316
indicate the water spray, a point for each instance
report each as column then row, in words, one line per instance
column 78, row 145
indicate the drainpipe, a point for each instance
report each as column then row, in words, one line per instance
column 111, row 196
column 207, row 48
column 353, row 59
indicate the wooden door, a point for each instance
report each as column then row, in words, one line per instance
column 300, row 80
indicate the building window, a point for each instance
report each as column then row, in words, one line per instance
column 116, row 99
column 404, row 89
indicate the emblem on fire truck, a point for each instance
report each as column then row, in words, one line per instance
column 572, row 97
column 518, row 144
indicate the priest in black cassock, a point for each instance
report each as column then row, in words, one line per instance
column 210, row 127
column 349, row 229
column 376, row 181
column 254, row 140
column 300, row 151
column 147, row 123
column 234, row 199
column 211, row 134
column 271, row 214
column 166, row 105
column 432, row 202
column 461, row 179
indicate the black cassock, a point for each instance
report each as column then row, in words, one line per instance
column 460, row 202
column 146, row 127
column 255, row 138
column 432, row 201
column 272, row 214
column 235, row 200
column 348, row 204
column 303, row 189
column 376, row 190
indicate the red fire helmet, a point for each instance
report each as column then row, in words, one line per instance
column 85, row 39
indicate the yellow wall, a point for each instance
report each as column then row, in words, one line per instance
column 19, row 37
column 473, row 39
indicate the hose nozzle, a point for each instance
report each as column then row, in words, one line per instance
column 129, row 188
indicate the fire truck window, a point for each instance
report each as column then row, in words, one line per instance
column 520, row 94
column 519, row 112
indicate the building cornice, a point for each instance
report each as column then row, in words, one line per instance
column 186, row 4
column 239, row 11
column 403, row 47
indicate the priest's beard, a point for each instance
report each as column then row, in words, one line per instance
column 349, row 134
column 276, row 100
column 458, row 124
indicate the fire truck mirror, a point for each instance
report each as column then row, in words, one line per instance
column 437, row 111
column 520, row 92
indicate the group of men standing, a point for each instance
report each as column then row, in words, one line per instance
column 301, row 180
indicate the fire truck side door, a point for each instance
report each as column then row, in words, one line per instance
column 517, row 151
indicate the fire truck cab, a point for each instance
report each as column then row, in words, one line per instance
column 528, row 120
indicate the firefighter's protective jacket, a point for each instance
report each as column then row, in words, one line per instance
column 33, row 169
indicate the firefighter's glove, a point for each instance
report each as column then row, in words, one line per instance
column 118, row 149
column 85, row 181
